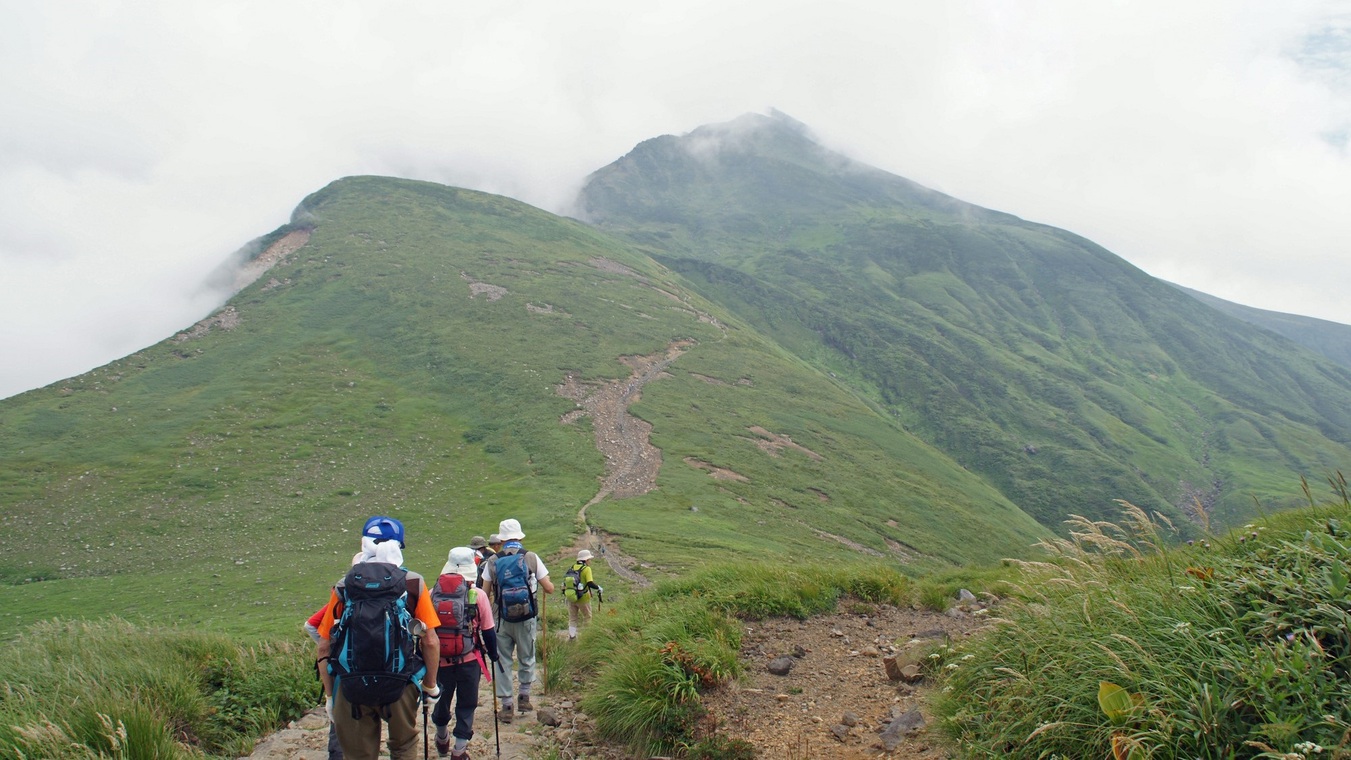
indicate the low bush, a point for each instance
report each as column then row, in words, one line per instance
column 110, row 689
column 1234, row 647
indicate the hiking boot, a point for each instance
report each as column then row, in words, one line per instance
column 505, row 714
column 462, row 756
column 443, row 746
column 523, row 704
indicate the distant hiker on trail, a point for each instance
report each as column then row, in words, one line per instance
column 482, row 554
column 466, row 634
column 577, row 585
column 512, row 580
column 376, row 670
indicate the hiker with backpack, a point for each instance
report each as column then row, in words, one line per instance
column 577, row 585
column 512, row 580
column 467, row 634
column 483, row 552
column 312, row 628
column 375, row 639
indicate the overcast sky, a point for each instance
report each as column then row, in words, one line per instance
column 142, row 142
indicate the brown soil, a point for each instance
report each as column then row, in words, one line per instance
column 774, row 444
column 275, row 254
column 716, row 472
column 838, row 678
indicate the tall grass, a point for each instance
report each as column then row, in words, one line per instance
column 1232, row 647
column 109, row 689
column 641, row 668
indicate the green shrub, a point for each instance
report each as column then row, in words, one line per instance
column 1235, row 648
column 110, row 689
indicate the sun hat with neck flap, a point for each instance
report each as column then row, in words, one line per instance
column 461, row 562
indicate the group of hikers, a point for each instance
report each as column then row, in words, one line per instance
column 387, row 642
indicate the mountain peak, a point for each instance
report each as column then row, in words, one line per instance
column 752, row 171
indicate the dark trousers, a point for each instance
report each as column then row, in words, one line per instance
column 461, row 682
column 334, row 748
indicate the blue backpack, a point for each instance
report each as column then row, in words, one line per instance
column 374, row 655
column 511, row 580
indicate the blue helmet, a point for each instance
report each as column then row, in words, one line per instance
column 384, row 529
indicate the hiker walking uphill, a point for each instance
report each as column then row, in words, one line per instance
column 375, row 639
column 513, row 579
column 484, row 551
column 467, row 634
column 578, row 583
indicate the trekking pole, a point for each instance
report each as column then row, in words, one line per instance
column 497, row 732
column 426, row 754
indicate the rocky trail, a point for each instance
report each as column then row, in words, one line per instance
column 631, row 461
column 834, row 686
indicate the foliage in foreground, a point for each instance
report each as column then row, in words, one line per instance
column 1234, row 647
column 642, row 668
column 109, row 689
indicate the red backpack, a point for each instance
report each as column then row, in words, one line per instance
column 457, row 606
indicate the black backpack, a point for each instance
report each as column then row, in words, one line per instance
column 511, row 579
column 374, row 655
column 455, row 605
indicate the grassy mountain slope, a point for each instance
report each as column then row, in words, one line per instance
column 406, row 360
column 1330, row 339
column 1059, row 372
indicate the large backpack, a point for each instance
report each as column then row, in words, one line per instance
column 456, row 605
column 374, row 655
column 573, row 589
column 511, row 578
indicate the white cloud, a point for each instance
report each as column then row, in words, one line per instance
column 141, row 142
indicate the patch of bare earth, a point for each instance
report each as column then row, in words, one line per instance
column 716, row 472
column 837, row 700
column 226, row 319
column 774, row 444
column 275, row 254
column 476, row 288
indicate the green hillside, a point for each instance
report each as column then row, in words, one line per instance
column 1060, row 373
column 1330, row 339
column 407, row 360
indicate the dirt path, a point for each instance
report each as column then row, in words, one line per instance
column 631, row 461
column 837, row 699
column 307, row 737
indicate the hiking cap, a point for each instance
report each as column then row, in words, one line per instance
column 383, row 528
column 477, row 542
column 584, row 555
column 510, row 530
column 494, row 539
column 461, row 561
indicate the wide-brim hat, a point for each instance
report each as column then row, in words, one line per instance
column 494, row 539
column 478, row 542
column 584, row 555
column 510, row 530
column 460, row 560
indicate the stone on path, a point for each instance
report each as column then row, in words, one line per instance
column 908, row 724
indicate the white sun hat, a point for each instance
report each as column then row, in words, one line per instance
column 510, row 530
column 461, row 561
column 584, row 555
